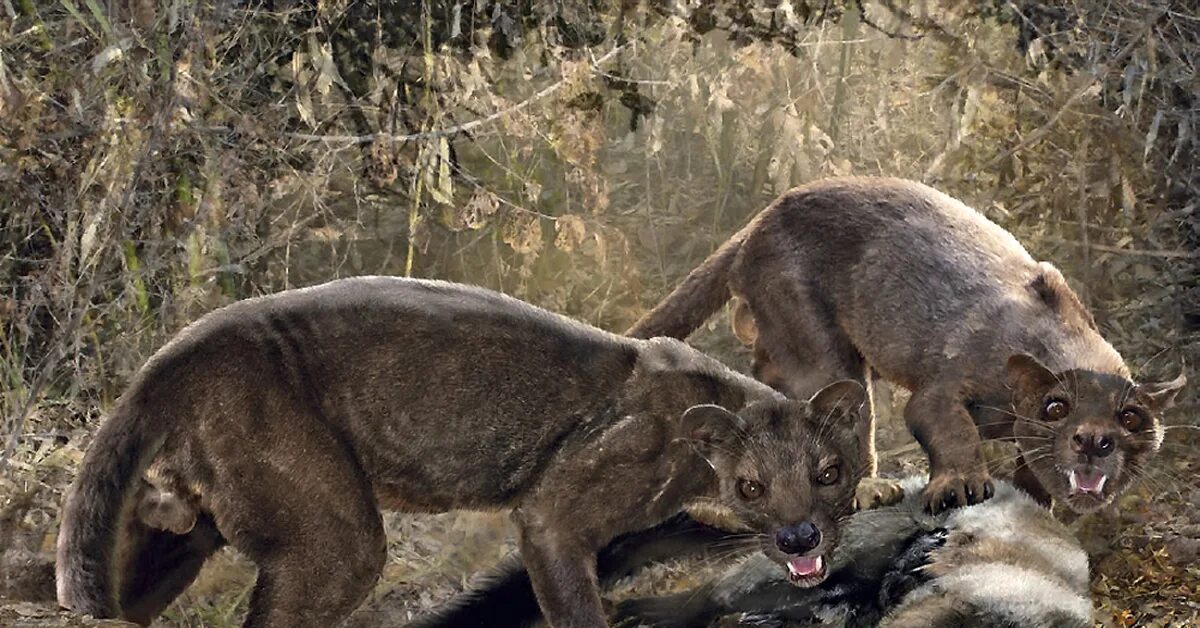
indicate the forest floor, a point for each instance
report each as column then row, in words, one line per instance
column 1144, row 560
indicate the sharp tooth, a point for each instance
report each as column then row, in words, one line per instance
column 1100, row 484
column 1074, row 481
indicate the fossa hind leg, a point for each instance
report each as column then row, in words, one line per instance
column 313, row 530
column 799, row 348
column 308, row 578
column 874, row 491
column 160, row 565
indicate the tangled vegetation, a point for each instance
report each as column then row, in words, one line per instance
column 160, row 159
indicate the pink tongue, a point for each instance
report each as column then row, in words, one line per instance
column 805, row 565
column 1089, row 482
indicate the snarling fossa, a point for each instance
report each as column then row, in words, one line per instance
column 797, row 475
column 282, row 425
column 1006, row 563
column 846, row 273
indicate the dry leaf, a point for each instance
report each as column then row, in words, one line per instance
column 571, row 232
column 523, row 232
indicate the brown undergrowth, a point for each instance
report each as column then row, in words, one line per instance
column 159, row 160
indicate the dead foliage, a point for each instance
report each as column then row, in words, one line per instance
column 158, row 160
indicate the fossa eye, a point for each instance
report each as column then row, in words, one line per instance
column 1056, row 409
column 750, row 490
column 829, row 476
column 1131, row 420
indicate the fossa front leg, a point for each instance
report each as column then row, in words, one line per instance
column 876, row 492
column 938, row 418
column 563, row 572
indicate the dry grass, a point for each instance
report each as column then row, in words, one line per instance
column 158, row 160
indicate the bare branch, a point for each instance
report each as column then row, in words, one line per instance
column 454, row 130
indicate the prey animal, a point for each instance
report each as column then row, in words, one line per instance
column 1004, row 563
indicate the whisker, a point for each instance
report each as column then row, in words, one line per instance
column 1016, row 415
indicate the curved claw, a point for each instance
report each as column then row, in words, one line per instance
column 951, row 490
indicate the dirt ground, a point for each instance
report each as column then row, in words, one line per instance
column 1145, row 567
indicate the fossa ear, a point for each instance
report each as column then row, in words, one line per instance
column 1160, row 395
column 742, row 322
column 707, row 426
column 841, row 400
column 1027, row 376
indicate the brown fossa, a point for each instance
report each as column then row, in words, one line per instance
column 281, row 425
column 846, row 274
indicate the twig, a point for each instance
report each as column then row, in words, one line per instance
column 1161, row 253
column 597, row 70
column 1024, row 18
column 474, row 181
column 849, row 31
column 929, row 25
column 454, row 130
column 862, row 15
column 901, row 450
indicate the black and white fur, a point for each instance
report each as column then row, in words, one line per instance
column 1003, row 563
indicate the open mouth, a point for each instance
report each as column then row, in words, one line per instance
column 1087, row 482
column 806, row 570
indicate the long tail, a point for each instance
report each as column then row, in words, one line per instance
column 99, row 505
column 701, row 293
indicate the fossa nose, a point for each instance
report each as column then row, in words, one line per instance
column 798, row 538
column 1092, row 442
